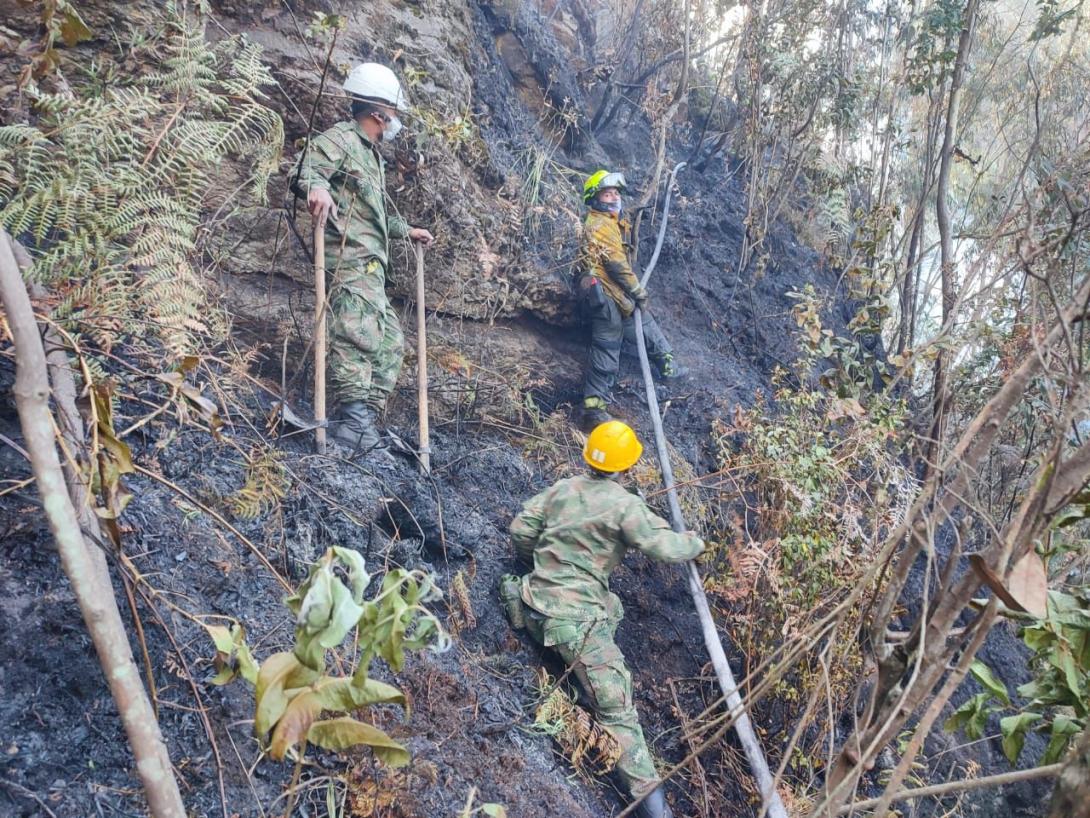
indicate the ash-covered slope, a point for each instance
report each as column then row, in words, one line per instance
column 488, row 79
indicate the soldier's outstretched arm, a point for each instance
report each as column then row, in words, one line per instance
column 527, row 526
column 648, row 532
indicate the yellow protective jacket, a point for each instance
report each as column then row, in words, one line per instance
column 603, row 257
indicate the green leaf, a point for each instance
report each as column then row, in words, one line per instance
column 343, row 617
column 983, row 674
column 1037, row 638
column 233, row 655
column 343, row 733
column 247, row 666
column 979, row 720
column 1065, row 609
column 358, row 577
column 1030, row 690
column 222, row 638
column 1014, row 729
column 968, row 716
column 494, row 810
column 1063, row 730
column 1070, row 670
column 1069, row 516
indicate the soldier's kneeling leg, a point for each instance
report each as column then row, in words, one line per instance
column 600, row 668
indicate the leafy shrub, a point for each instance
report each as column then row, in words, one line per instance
column 292, row 688
column 812, row 479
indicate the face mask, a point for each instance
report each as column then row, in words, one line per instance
column 393, row 128
column 603, row 207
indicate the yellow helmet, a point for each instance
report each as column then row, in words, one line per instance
column 612, row 446
column 600, row 180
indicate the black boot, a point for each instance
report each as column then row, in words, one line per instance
column 654, row 805
column 594, row 414
column 355, row 427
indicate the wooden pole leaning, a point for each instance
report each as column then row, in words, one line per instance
column 83, row 561
column 319, row 338
column 422, row 363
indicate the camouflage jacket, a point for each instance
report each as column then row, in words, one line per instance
column 575, row 533
column 603, row 256
column 347, row 164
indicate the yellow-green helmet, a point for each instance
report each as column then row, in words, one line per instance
column 602, row 180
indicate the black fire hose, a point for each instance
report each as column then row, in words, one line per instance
column 773, row 806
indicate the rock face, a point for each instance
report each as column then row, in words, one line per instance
column 496, row 100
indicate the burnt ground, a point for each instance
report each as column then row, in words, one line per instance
column 471, row 707
column 502, row 395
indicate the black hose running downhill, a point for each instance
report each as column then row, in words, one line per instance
column 773, row 806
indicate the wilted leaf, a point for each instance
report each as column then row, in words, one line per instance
column 343, row 733
column 344, row 616
column 1028, row 584
column 271, row 699
column 172, row 379
column 845, row 408
column 206, row 408
column 985, row 572
column 335, row 694
column 357, row 570
column 73, row 30
column 292, row 727
column 316, row 604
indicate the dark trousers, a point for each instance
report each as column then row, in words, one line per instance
column 609, row 331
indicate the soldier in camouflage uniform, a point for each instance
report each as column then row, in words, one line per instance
column 609, row 294
column 343, row 176
column 575, row 533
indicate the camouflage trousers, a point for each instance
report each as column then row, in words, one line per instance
column 609, row 332
column 594, row 659
column 366, row 345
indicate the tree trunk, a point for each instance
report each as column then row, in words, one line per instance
column 941, row 390
column 84, row 563
column 1071, row 798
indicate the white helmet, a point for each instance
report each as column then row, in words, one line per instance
column 377, row 83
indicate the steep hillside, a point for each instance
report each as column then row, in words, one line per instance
column 491, row 167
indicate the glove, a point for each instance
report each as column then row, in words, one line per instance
column 640, row 296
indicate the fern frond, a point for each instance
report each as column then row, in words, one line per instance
column 266, row 485
column 110, row 185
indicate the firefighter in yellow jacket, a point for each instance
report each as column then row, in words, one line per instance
column 609, row 293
